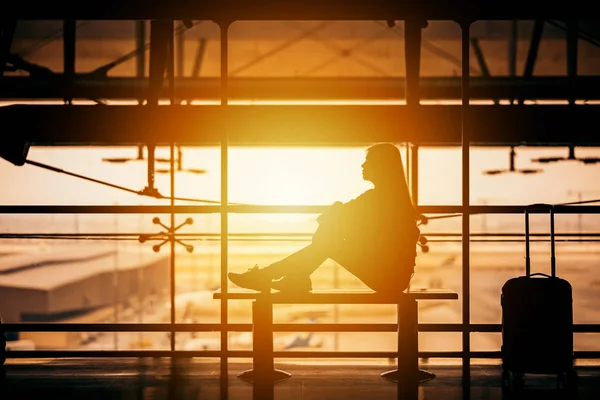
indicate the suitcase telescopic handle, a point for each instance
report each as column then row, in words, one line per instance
column 533, row 208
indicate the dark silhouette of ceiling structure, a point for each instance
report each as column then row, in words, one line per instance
column 234, row 10
column 495, row 124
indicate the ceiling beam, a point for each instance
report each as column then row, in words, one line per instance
column 300, row 125
column 431, row 88
column 236, row 10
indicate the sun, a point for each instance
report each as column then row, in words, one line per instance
column 295, row 176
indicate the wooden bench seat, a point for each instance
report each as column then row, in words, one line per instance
column 262, row 326
column 337, row 296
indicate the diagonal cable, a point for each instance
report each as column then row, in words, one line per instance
column 138, row 192
column 343, row 52
column 581, row 33
column 433, row 49
column 46, row 40
column 279, row 48
column 104, row 69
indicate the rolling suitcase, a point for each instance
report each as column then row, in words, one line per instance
column 537, row 320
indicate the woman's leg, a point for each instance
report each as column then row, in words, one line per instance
column 326, row 242
column 297, row 266
column 301, row 263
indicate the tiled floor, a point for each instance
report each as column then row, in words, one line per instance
column 200, row 379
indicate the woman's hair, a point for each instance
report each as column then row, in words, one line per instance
column 387, row 164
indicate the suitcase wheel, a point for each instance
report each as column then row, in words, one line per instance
column 2, row 348
column 567, row 380
column 512, row 381
column 506, row 382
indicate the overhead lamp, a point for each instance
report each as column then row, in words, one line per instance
column 197, row 171
column 589, row 160
column 511, row 167
column 140, row 157
column 571, row 157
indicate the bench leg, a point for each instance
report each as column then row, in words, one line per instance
column 262, row 347
column 408, row 347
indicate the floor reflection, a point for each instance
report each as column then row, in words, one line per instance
column 157, row 379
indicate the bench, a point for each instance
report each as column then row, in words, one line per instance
column 262, row 326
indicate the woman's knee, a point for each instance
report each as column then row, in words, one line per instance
column 327, row 239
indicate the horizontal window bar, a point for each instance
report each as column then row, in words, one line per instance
column 248, row 354
column 166, row 327
column 216, row 353
column 361, row 354
column 270, row 236
column 273, row 209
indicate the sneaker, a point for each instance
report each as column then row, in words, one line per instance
column 289, row 284
column 254, row 279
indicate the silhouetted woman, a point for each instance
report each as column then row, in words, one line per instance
column 373, row 236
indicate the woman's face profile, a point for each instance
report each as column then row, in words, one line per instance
column 368, row 172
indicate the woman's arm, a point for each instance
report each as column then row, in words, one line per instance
column 340, row 213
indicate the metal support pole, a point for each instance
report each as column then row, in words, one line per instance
column 116, row 297
column 263, row 366
column 407, row 156
column 171, row 63
column 181, row 51
column 199, row 57
column 69, row 37
column 224, row 200
column 413, row 37
column 512, row 48
column 466, row 279
column 262, row 339
column 140, row 44
column 534, row 45
column 414, row 179
column 159, row 51
column 161, row 60
column 408, row 375
column 150, row 171
column 409, row 386
column 572, row 43
column 408, row 360
column 171, row 75
column 412, row 52
column 481, row 60
column 140, row 63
